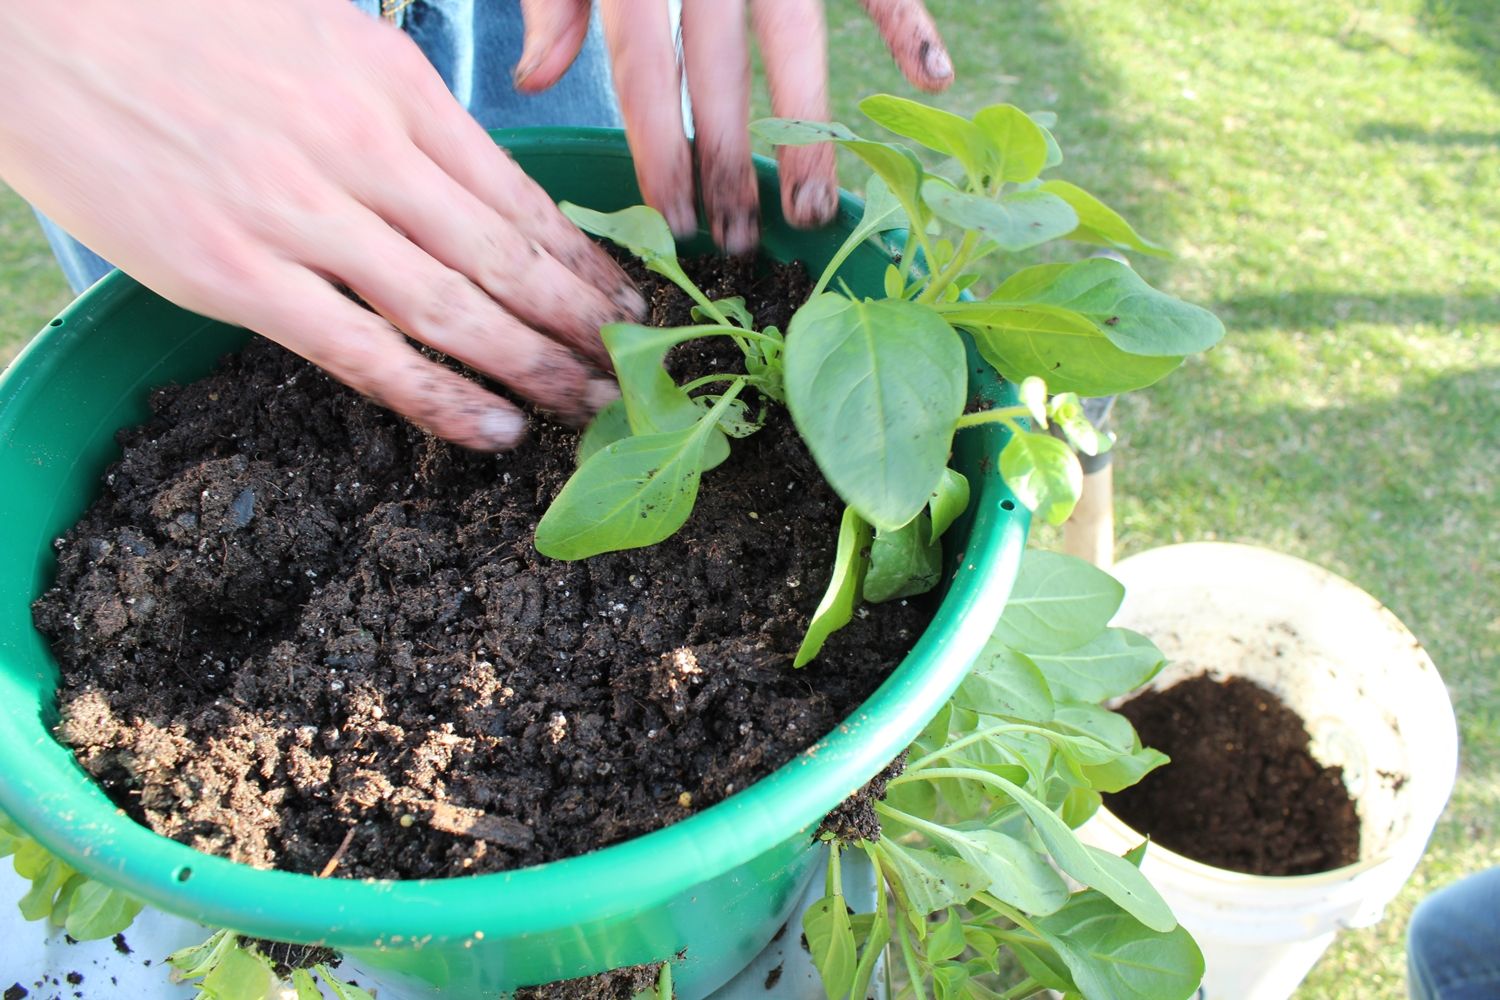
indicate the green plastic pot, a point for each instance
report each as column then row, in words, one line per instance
column 708, row 892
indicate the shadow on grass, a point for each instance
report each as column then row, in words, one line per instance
column 1330, row 307
column 1473, row 24
column 1396, row 132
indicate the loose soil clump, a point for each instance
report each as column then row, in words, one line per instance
column 292, row 615
column 1242, row 791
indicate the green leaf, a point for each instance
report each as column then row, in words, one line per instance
column 1043, row 473
column 949, row 981
column 1135, row 317
column 736, row 420
column 307, row 989
column 903, row 562
column 1115, row 662
column 876, row 389
column 1059, row 345
column 240, row 975
column 948, row 502
column 45, row 885
column 342, row 990
column 64, row 902
column 195, row 960
column 1021, row 142
column 851, row 556
column 1015, row 222
column 883, row 210
column 798, row 131
column 653, row 402
column 639, row 229
column 1017, row 874
column 946, row 940
column 929, row 881
column 1067, row 412
column 830, row 942
column 1042, row 964
column 1099, row 224
column 1111, row 954
column 1033, row 394
column 1057, row 603
column 879, row 936
column 1098, row 724
column 1079, row 806
column 608, row 426
column 1111, row 875
column 97, row 911
column 938, row 130
column 732, row 308
column 895, row 288
column 1005, row 683
column 629, row 494
column 1125, row 770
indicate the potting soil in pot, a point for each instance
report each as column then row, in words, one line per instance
column 299, row 633
column 1242, row 791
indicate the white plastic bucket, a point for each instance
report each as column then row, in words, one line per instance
column 1374, row 705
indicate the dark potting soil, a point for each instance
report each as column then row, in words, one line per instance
column 299, row 633
column 1242, row 791
column 617, row 984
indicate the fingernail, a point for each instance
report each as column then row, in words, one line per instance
column 936, row 62
column 501, row 430
column 813, row 203
column 526, row 67
column 739, row 233
column 599, row 393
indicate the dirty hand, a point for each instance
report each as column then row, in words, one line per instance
column 793, row 44
column 244, row 157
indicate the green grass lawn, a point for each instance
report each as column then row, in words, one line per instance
column 1329, row 174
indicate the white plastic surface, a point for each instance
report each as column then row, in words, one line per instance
column 39, row 959
column 1374, row 705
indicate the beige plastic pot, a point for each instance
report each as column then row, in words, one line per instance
column 1374, row 705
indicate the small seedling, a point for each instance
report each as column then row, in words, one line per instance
column 876, row 386
column 228, row 967
column 83, row 908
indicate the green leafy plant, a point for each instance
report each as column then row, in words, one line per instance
column 977, row 847
column 85, row 909
column 876, row 387
column 229, row 967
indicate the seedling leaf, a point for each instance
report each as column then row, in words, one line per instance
column 830, row 942
column 949, row 501
column 938, row 130
column 1043, row 473
column 1099, row 224
column 876, row 388
column 837, row 606
column 1021, row 142
column 903, row 562
column 608, row 426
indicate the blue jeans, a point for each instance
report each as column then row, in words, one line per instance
column 474, row 44
column 1453, row 943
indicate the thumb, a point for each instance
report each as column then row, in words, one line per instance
column 555, row 30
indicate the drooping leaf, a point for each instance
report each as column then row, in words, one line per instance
column 1005, row 683
column 342, row 990
column 195, row 960
column 1115, row 662
column 1043, row 473
column 1099, row 224
column 629, row 494
column 653, row 402
column 1057, row 603
column 876, row 389
column 830, row 942
column 1124, row 770
column 1014, row 222
column 1135, row 317
column 903, row 562
column 1056, row 344
column 1043, row 964
column 1097, row 723
column 1110, row 874
column 929, row 881
column 608, row 426
column 843, row 591
column 240, row 975
column 1021, row 142
column 869, row 955
column 46, row 883
column 949, row 501
column 936, row 129
column 1109, row 953
column 306, row 987
column 97, row 911
column 1017, row 874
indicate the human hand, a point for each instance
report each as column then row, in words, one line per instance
column 241, row 157
column 793, row 42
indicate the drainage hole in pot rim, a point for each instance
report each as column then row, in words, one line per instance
column 183, row 874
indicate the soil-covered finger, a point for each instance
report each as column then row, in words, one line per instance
column 794, row 46
column 555, row 30
column 644, row 62
column 717, row 57
column 365, row 352
column 912, row 37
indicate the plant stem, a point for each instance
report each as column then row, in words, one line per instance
column 851, row 243
column 1022, row 989
column 1009, row 912
column 835, row 872
column 1007, row 415
column 955, row 267
column 909, row 956
column 915, row 822
column 974, row 737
